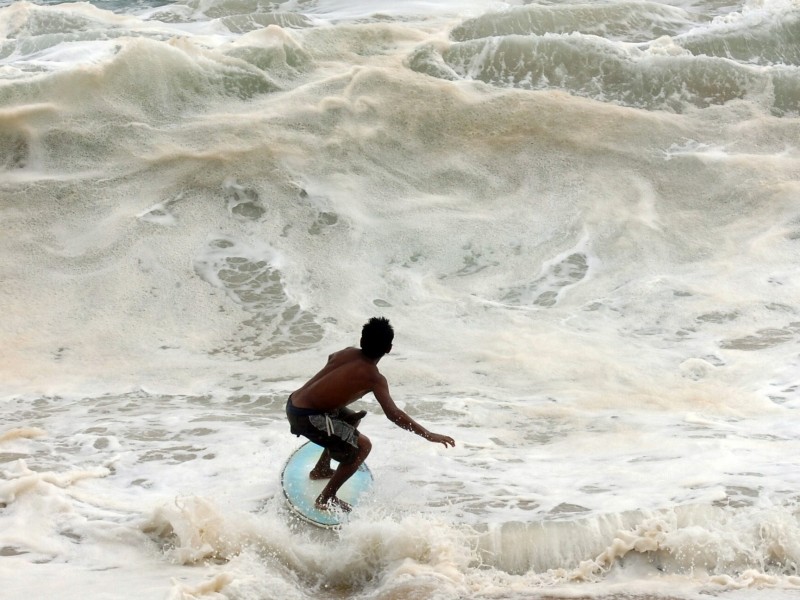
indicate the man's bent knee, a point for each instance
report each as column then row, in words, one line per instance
column 364, row 445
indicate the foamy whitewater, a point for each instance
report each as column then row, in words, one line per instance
column 582, row 219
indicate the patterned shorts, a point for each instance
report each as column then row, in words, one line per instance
column 333, row 430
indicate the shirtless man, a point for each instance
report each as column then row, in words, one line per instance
column 318, row 410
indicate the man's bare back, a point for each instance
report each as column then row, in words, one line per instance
column 346, row 377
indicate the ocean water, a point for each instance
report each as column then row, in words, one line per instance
column 582, row 218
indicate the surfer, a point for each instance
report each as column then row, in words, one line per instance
column 318, row 410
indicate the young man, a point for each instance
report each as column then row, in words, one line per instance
column 318, row 410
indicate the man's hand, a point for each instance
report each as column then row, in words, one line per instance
column 441, row 439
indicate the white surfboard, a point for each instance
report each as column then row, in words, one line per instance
column 301, row 491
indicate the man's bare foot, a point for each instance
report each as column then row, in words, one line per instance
column 332, row 503
column 321, row 473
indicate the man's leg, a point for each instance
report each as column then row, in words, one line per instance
column 328, row 499
column 323, row 470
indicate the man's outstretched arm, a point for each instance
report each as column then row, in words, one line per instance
column 401, row 419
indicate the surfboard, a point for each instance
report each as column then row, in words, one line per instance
column 301, row 491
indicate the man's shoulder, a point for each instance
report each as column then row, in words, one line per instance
column 348, row 353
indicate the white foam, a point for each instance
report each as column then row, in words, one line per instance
column 597, row 302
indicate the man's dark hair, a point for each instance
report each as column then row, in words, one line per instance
column 376, row 337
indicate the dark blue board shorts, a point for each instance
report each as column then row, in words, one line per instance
column 334, row 430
